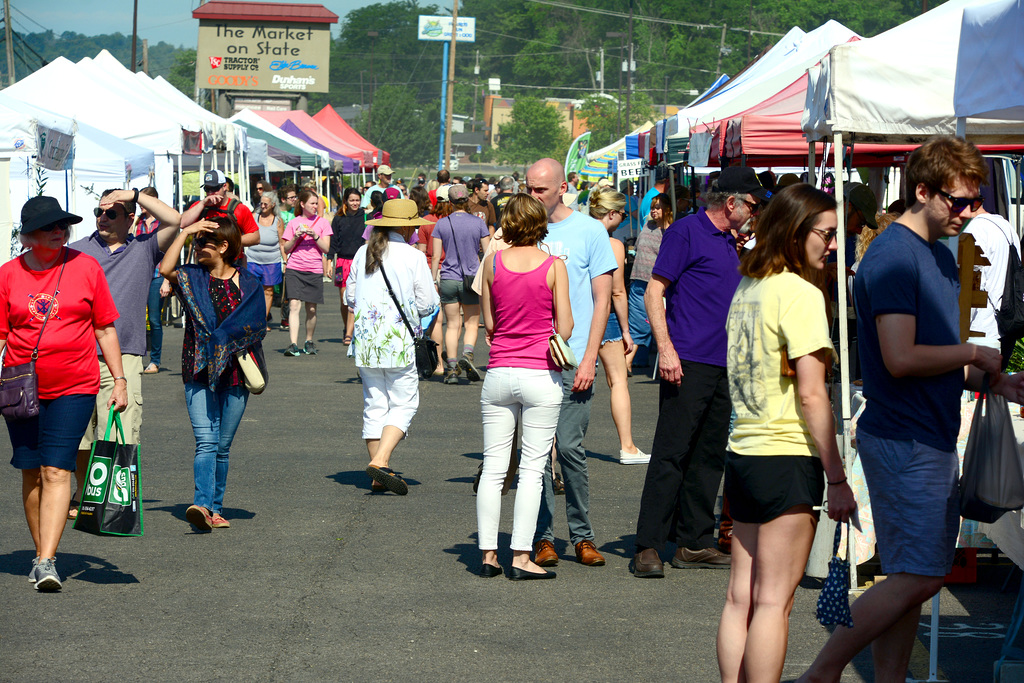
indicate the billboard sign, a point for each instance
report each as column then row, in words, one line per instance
column 440, row 29
column 263, row 56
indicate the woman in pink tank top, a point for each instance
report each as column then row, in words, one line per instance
column 525, row 299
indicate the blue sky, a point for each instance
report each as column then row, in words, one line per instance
column 167, row 20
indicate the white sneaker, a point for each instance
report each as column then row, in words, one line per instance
column 638, row 458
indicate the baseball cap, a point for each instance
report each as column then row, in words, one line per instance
column 604, row 182
column 863, row 199
column 742, row 180
column 214, row 178
column 458, row 193
column 384, row 169
column 392, row 193
column 442, row 193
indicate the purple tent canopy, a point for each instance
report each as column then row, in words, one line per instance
column 348, row 165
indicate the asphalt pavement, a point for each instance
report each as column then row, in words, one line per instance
column 320, row 579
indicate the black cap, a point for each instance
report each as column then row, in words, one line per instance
column 39, row 212
column 742, row 180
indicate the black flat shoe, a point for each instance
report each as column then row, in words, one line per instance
column 489, row 571
column 517, row 574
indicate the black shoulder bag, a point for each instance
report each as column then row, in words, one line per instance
column 425, row 347
column 19, row 384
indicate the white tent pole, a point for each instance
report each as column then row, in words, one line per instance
column 844, row 336
column 181, row 191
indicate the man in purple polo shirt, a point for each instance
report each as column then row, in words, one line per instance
column 687, row 300
column 128, row 262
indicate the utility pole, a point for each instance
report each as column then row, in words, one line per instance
column 369, row 116
column 145, row 56
column 476, row 84
column 618, row 102
column 451, row 88
column 721, row 48
column 135, row 33
column 629, row 72
column 9, row 41
column 602, row 69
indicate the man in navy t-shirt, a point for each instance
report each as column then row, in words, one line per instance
column 914, row 368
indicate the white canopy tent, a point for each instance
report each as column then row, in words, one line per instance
column 63, row 87
column 897, row 87
column 990, row 62
column 101, row 161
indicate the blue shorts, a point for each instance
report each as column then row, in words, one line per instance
column 915, row 503
column 51, row 438
column 268, row 273
column 612, row 331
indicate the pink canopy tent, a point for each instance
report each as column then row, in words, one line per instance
column 332, row 121
column 312, row 129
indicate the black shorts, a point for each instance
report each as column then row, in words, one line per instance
column 759, row 488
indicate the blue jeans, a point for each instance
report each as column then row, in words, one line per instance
column 156, row 330
column 215, row 418
column 639, row 325
column 573, row 420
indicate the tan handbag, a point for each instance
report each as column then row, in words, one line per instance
column 255, row 382
column 561, row 353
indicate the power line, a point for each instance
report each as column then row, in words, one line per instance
column 31, row 19
column 653, row 20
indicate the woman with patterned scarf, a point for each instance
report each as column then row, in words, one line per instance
column 225, row 315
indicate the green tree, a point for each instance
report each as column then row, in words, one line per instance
column 183, row 72
column 604, row 115
column 402, row 126
column 534, row 132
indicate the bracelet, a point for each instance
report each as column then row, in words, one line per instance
column 136, row 197
column 837, row 483
column 126, row 381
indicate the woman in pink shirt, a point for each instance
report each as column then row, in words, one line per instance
column 307, row 238
column 525, row 299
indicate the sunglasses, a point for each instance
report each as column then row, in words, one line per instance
column 827, row 235
column 753, row 206
column 59, row 225
column 958, row 204
column 111, row 213
column 209, row 189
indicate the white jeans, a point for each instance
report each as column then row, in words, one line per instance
column 533, row 398
column 391, row 397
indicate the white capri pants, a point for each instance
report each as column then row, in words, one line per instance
column 391, row 397
column 533, row 397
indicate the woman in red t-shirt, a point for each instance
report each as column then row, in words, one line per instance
column 65, row 291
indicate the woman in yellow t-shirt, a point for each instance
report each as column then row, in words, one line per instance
column 783, row 440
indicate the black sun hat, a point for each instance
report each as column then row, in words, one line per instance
column 39, row 212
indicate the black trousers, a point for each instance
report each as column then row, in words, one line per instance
column 687, row 460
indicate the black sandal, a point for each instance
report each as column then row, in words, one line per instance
column 388, row 479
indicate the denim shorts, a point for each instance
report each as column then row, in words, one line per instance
column 51, row 438
column 268, row 273
column 915, row 503
column 612, row 331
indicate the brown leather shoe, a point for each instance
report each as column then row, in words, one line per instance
column 648, row 565
column 707, row 557
column 587, row 554
column 544, row 554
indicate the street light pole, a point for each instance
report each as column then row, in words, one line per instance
column 369, row 116
column 451, row 88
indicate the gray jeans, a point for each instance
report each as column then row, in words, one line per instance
column 573, row 420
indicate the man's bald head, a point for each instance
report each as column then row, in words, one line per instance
column 545, row 181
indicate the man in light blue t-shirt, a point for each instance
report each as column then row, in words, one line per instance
column 584, row 243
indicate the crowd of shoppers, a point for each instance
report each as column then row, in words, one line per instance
column 738, row 331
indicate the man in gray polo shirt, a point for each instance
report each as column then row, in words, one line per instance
column 128, row 262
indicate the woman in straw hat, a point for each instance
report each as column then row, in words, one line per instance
column 383, row 346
